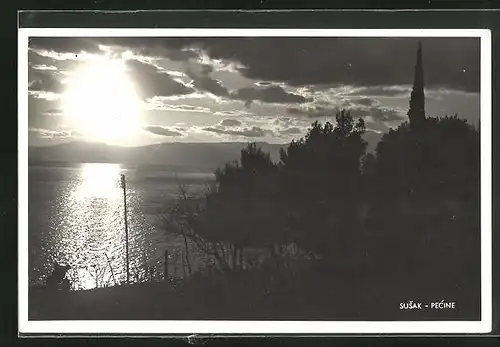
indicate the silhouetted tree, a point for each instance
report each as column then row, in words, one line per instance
column 425, row 194
column 409, row 212
column 240, row 211
column 320, row 178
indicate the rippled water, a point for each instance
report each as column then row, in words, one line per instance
column 76, row 217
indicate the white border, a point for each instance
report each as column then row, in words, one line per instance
column 260, row 327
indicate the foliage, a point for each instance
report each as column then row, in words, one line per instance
column 384, row 214
column 429, row 178
column 321, row 176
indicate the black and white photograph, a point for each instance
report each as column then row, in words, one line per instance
column 274, row 179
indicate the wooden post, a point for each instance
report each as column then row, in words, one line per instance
column 112, row 272
column 174, row 274
column 165, row 266
column 183, row 265
column 96, row 277
column 124, row 187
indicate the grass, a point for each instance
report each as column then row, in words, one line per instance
column 316, row 292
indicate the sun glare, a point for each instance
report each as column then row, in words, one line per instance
column 99, row 181
column 101, row 101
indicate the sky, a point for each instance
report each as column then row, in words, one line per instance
column 143, row 90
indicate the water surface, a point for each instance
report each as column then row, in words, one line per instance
column 76, row 217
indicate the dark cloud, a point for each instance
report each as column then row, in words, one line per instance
column 384, row 114
column 272, row 94
column 292, row 131
column 154, row 82
column 148, row 46
column 162, row 105
column 53, row 112
column 159, row 130
column 37, row 61
column 233, row 113
column 354, row 61
column 393, row 91
column 44, row 67
column 34, row 58
column 230, row 123
column 44, row 81
column 177, row 55
column 283, row 120
column 65, row 44
column 351, row 103
column 364, row 101
column 310, row 61
column 313, row 111
column 204, row 82
column 263, row 83
column 246, row 132
column 379, row 114
column 48, row 134
column 153, row 47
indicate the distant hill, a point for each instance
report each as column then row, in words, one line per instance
column 192, row 156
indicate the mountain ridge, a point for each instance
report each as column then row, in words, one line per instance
column 193, row 155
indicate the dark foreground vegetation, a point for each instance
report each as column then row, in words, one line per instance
column 369, row 231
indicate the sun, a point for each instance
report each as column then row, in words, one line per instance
column 101, row 101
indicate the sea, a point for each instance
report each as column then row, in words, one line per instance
column 76, row 217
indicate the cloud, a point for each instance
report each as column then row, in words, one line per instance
column 272, row 94
column 64, row 44
column 148, row 46
column 154, row 82
column 245, row 132
column 377, row 113
column 354, row 103
column 35, row 59
column 162, row 131
column 158, row 47
column 363, row 101
column 313, row 111
column 354, row 61
column 43, row 95
column 292, row 131
column 206, row 82
column 202, row 81
column 240, row 113
column 44, row 67
column 376, row 127
column 161, row 104
column 380, row 114
column 53, row 112
column 43, row 61
column 44, row 81
column 392, row 91
column 49, row 134
column 452, row 62
column 285, row 127
column 263, row 83
column 230, row 123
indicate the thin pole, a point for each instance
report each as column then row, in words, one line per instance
column 165, row 268
column 124, row 186
column 112, row 272
column 183, row 265
column 174, row 275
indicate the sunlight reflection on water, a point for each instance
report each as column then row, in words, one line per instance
column 88, row 230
